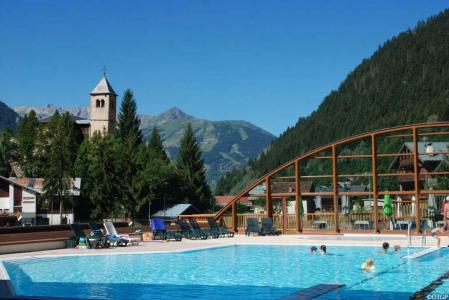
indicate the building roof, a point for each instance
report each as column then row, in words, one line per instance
column 103, row 87
column 37, row 184
column 223, row 200
column 174, row 211
column 437, row 147
column 82, row 122
column 8, row 180
column 75, row 119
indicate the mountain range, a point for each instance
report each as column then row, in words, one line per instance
column 8, row 117
column 225, row 144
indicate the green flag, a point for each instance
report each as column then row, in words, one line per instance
column 388, row 206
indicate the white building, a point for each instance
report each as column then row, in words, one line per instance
column 23, row 195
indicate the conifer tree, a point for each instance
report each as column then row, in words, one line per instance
column 191, row 167
column 131, row 142
column 60, row 152
column 156, row 145
column 128, row 122
column 27, row 135
column 7, row 152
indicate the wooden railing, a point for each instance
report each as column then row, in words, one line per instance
column 324, row 220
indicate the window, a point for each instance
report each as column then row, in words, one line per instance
column 102, row 102
column 98, row 103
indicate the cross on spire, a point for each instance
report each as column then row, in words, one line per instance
column 104, row 71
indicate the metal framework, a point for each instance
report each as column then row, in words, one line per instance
column 373, row 136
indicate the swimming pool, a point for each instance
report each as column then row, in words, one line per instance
column 236, row 272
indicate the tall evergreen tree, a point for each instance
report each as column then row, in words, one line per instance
column 61, row 152
column 196, row 190
column 128, row 122
column 27, row 135
column 156, row 145
column 131, row 140
column 8, row 151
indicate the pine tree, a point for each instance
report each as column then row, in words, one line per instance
column 8, row 150
column 128, row 122
column 61, row 151
column 156, row 145
column 131, row 143
column 191, row 167
column 27, row 135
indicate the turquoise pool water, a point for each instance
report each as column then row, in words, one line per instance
column 237, row 272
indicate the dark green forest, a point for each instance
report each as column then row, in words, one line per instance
column 405, row 81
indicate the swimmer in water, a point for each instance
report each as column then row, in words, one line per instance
column 368, row 265
column 435, row 233
column 323, row 249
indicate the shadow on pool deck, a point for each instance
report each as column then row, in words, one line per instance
column 163, row 291
column 150, row 291
column 364, row 294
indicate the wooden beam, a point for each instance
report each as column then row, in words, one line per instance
column 298, row 196
column 393, row 154
column 235, row 219
column 416, row 176
column 354, row 156
column 284, row 214
column 395, row 174
column 317, row 176
column 374, row 172
column 268, row 197
column 335, row 185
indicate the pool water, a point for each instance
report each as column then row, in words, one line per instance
column 236, row 272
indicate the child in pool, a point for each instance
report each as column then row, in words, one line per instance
column 368, row 265
column 435, row 233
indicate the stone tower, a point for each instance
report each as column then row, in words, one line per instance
column 102, row 110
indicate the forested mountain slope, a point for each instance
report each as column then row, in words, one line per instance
column 405, row 81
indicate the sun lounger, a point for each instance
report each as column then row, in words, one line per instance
column 189, row 233
column 105, row 239
column 160, row 232
column 220, row 230
column 252, row 225
column 124, row 239
column 362, row 225
column 198, row 230
column 319, row 224
column 78, row 234
column 268, row 227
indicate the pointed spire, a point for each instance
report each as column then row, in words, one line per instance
column 103, row 87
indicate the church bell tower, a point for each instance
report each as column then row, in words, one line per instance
column 102, row 110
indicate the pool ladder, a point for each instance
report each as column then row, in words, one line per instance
column 423, row 236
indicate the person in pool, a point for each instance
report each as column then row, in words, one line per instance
column 397, row 248
column 435, row 233
column 368, row 265
column 385, row 247
column 313, row 249
column 446, row 212
column 323, row 249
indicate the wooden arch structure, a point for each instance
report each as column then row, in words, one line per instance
column 413, row 133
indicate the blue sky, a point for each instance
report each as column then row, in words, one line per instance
column 267, row 62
